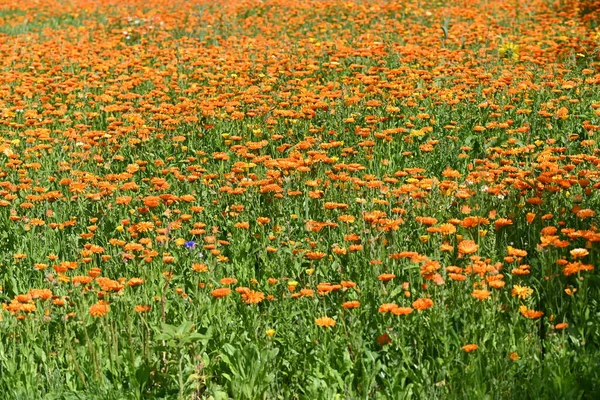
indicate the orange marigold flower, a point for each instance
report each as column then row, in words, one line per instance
column 515, row 252
column 253, row 297
column 28, row 307
column 325, row 322
column 561, row 326
column 108, row 285
column 43, row 294
column 59, row 302
column 531, row 314
column 315, row 255
column 81, row 280
column 447, row 229
column 428, row 221
column 142, row 308
column 446, row 247
column 470, row 222
column 562, row 113
column 470, row 347
column 534, row 200
column 351, row 304
column 94, row 272
column 99, row 309
column 198, row 267
column 347, row 218
column 387, row 307
column 324, row 288
column 228, row 281
column 575, row 267
column 402, row 310
column 497, row 284
column 481, row 294
column 386, row 277
column 467, row 247
column 220, row 292
column 500, row 222
column 135, row 282
column 548, row 230
column 151, row 201
column 585, row 213
column 24, row 298
column 521, row 271
column 355, row 247
column 422, row 304
column 339, row 250
column 457, row 277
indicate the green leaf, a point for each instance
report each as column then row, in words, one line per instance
column 184, row 328
column 164, row 336
column 226, row 376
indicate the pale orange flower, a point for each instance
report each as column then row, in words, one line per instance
column 467, row 247
column 325, row 322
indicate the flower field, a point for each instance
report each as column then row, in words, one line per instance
column 299, row 199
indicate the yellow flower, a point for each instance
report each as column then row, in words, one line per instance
column 522, row 292
column 270, row 332
column 509, row 50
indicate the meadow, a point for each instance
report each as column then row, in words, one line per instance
column 299, row 199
